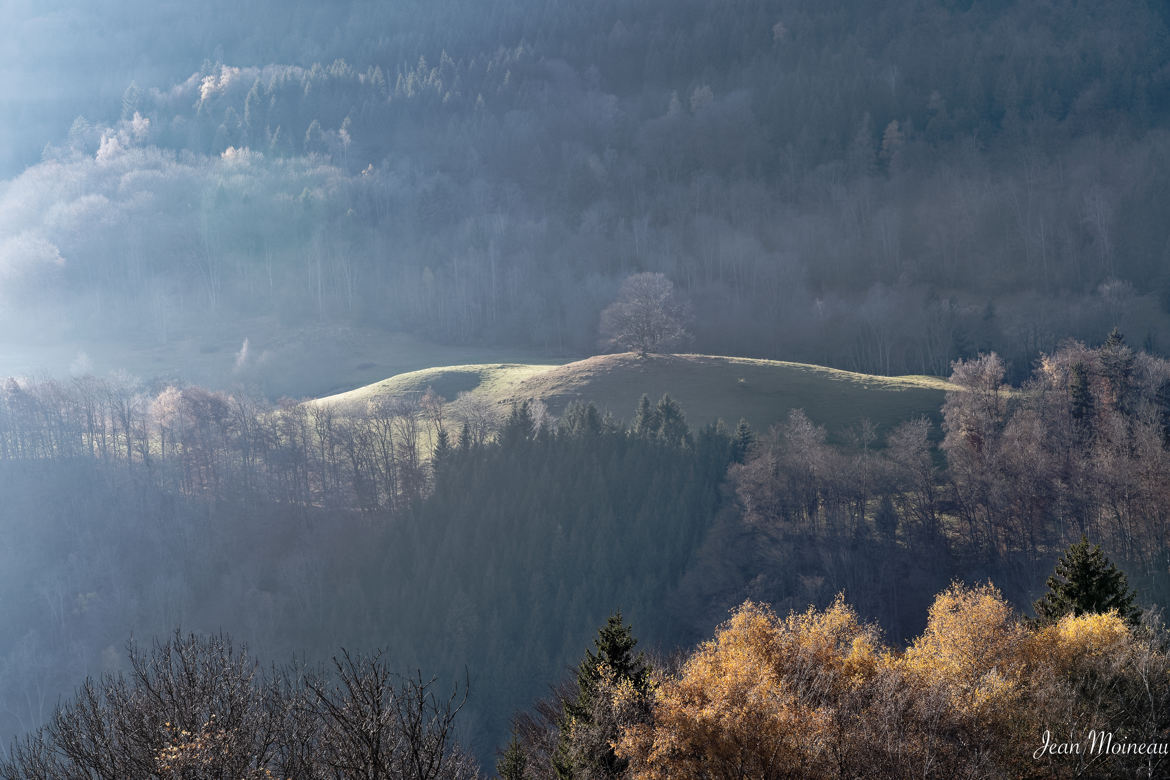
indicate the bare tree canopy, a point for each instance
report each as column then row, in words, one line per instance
column 647, row 315
column 198, row 707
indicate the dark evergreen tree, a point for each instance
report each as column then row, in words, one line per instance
column 513, row 762
column 518, row 427
column 647, row 421
column 886, row 518
column 442, row 453
column 1162, row 399
column 1080, row 396
column 581, row 420
column 615, row 660
column 615, row 645
column 742, row 440
column 674, row 429
column 1086, row 581
column 1117, row 362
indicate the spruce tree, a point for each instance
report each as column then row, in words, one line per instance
column 742, row 441
column 886, row 518
column 443, row 451
column 1080, row 396
column 674, row 430
column 1162, row 401
column 1086, row 581
column 518, row 428
column 1117, row 363
column 647, row 421
column 513, row 762
column 614, row 659
column 581, row 420
column 615, row 644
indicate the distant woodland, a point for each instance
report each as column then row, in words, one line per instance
column 880, row 189
column 466, row 542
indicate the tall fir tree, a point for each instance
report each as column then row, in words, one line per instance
column 581, row 420
column 513, row 762
column 616, row 661
column 518, row 428
column 1086, row 581
column 1080, row 395
column 886, row 518
column 1117, row 363
column 647, row 421
column 1162, row 401
column 443, row 451
column 674, row 430
column 742, row 441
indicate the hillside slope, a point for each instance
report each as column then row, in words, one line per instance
column 709, row 387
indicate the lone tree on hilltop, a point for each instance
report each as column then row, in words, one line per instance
column 1086, row 581
column 648, row 315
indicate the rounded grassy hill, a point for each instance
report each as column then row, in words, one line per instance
column 708, row 387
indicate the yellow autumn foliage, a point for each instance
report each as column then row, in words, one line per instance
column 755, row 700
column 816, row 695
column 1076, row 640
column 973, row 647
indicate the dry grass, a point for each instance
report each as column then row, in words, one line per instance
column 708, row 387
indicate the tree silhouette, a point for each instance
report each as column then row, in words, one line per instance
column 1086, row 581
column 646, row 316
column 513, row 762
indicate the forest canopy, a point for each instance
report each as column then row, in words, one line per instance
column 884, row 189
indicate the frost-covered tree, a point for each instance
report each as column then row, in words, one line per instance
column 647, row 316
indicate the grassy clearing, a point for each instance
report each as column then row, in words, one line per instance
column 708, row 387
column 499, row 381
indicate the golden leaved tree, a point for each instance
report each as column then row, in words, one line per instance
column 816, row 694
column 757, row 700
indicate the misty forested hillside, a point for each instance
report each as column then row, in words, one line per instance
column 300, row 528
column 877, row 189
column 301, row 307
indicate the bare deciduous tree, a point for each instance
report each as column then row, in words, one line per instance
column 376, row 724
column 478, row 414
column 197, row 707
column 648, row 315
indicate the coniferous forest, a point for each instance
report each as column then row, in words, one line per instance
column 503, row 567
column 302, row 531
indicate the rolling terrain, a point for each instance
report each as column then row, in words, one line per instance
column 708, row 387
